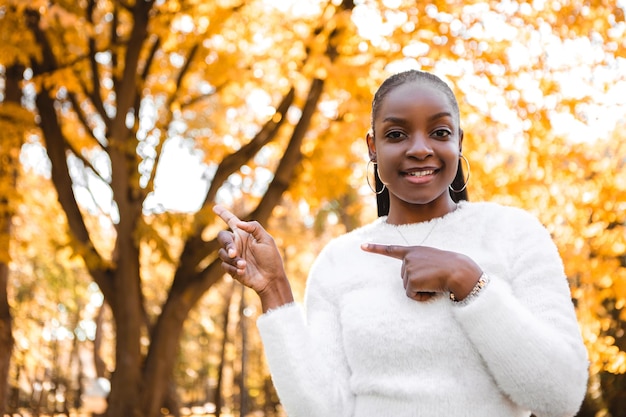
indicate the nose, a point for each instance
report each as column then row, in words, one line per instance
column 419, row 146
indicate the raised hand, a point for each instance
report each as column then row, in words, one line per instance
column 428, row 271
column 249, row 254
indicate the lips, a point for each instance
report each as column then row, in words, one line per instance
column 420, row 173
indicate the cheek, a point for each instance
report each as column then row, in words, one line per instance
column 387, row 163
column 450, row 151
column 453, row 163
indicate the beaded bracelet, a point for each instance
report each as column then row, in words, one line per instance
column 482, row 282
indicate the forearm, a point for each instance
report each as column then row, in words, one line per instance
column 519, row 348
column 307, row 368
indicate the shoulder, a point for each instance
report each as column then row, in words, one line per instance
column 508, row 227
column 500, row 214
column 493, row 207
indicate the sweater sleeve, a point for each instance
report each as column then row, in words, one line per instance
column 525, row 328
column 305, row 356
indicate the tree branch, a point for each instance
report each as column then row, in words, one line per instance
column 183, row 72
column 126, row 88
column 293, row 153
column 292, row 156
column 125, row 165
column 284, row 171
column 85, row 161
column 56, row 147
column 195, row 248
column 234, row 161
column 113, row 42
column 181, row 75
column 82, row 117
column 94, row 94
column 148, row 64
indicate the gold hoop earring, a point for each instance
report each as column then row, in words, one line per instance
column 461, row 156
column 367, row 177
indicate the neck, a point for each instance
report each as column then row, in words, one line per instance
column 401, row 212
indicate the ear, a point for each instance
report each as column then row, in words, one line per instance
column 371, row 146
column 460, row 140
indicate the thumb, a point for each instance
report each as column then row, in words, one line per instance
column 256, row 230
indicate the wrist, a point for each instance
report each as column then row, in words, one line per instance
column 276, row 294
column 482, row 282
column 464, row 278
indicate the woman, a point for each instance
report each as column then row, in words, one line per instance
column 437, row 308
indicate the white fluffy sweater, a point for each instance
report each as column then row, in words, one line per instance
column 366, row 350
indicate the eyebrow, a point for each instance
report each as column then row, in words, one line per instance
column 394, row 119
column 440, row 115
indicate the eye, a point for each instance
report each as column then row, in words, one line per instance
column 441, row 133
column 394, row 134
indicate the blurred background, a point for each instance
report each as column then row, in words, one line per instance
column 122, row 122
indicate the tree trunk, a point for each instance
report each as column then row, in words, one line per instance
column 220, row 368
column 243, row 390
column 6, row 337
column 9, row 164
column 159, row 364
column 139, row 384
column 99, row 364
column 126, row 382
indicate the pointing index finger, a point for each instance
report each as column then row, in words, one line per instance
column 394, row 251
column 229, row 218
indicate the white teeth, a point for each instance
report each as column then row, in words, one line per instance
column 421, row 173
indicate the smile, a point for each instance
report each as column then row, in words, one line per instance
column 420, row 173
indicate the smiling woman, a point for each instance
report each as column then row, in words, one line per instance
column 448, row 133
column 416, row 144
column 461, row 315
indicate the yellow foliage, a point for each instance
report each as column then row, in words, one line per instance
column 214, row 73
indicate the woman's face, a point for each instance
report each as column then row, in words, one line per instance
column 416, row 143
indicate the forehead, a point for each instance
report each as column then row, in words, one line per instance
column 415, row 96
